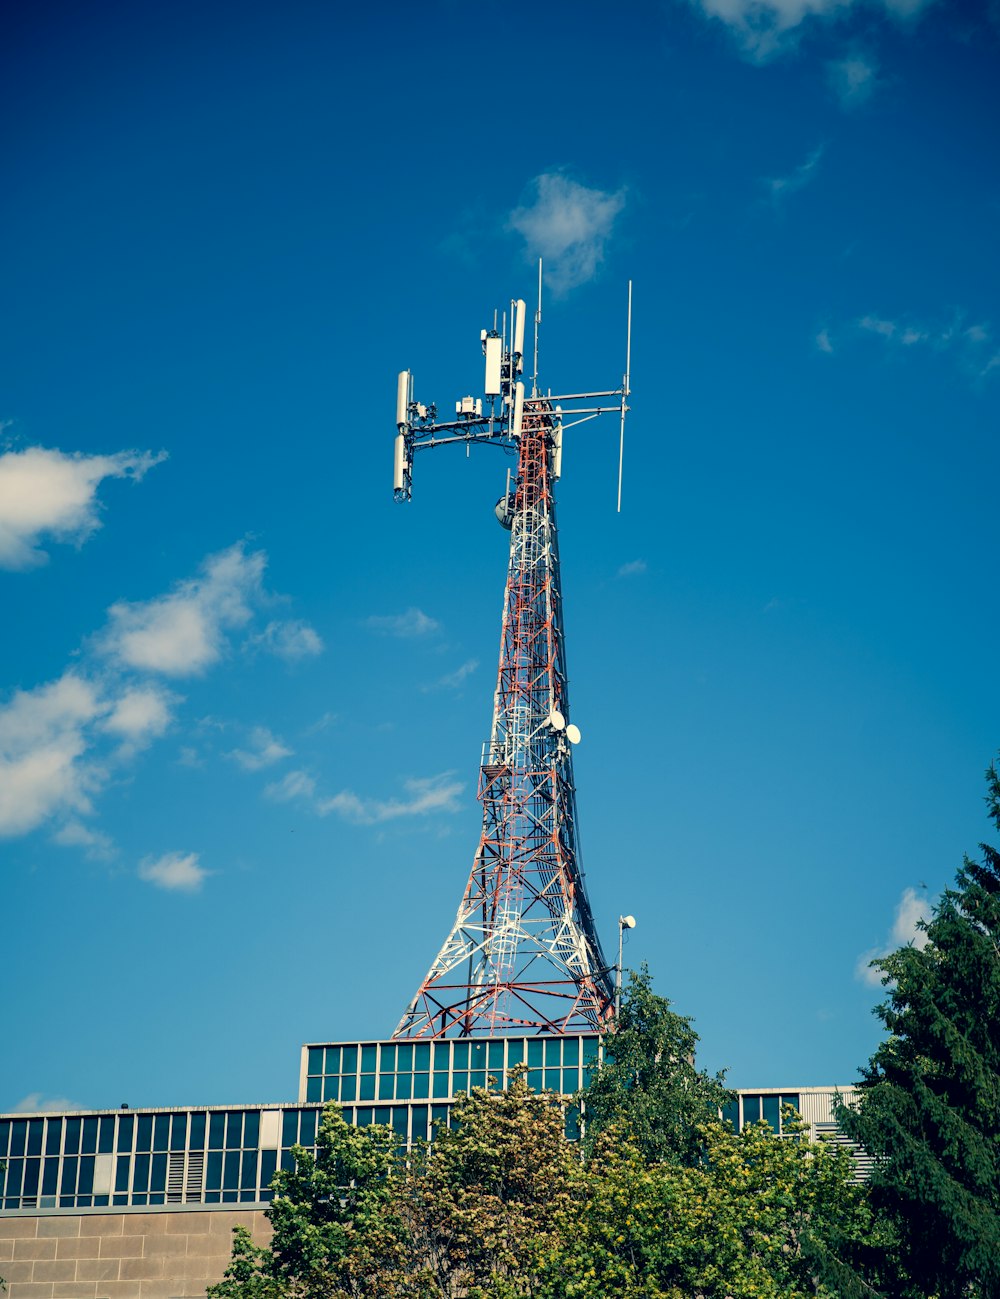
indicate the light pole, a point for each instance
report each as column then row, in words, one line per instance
column 624, row 922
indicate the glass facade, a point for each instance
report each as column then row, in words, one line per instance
column 219, row 1156
column 376, row 1073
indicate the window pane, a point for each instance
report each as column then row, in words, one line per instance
column 367, row 1092
column 403, row 1082
column 314, row 1063
column 731, row 1114
column 349, row 1060
column 442, row 1056
column 494, row 1058
column 213, row 1177
column 121, row 1173
column 307, row 1128
column 89, row 1146
column 314, row 1089
column 268, row 1163
column 140, row 1173
column 32, row 1172
column 440, row 1085
column 461, row 1055
column 552, row 1080
column 125, row 1125
column 382, row 1114
column 535, row 1080
column 144, row 1132
column 35, row 1137
column 404, row 1057
column 534, row 1053
column 401, row 1120
column 421, row 1086
column 234, row 1131
column 50, row 1174
column 19, row 1136
column 422, row 1057
column 571, row 1051
column 158, row 1173
column 72, row 1142
column 386, row 1085
column 161, row 1132
column 85, row 1184
column 216, row 1131
column 231, row 1171
column 248, row 1171
column 178, row 1132
column 53, row 1138
column 251, row 1129
column 67, row 1185
column 348, row 1088
column 570, row 1081
column 461, row 1083
column 772, row 1112
column 106, row 1139
column 477, row 1055
column 552, row 1051
column 477, row 1078
column 289, row 1128
column 591, row 1047
column 197, row 1140
column 332, row 1059
column 367, row 1059
column 751, row 1109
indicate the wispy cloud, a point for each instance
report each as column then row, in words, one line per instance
column 414, row 622
column 263, row 751
column 174, row 871
column 780, row 187
column 47, row 493
column 453, row 680
column 422, row 796
column 39, row 1103
column 853, row 79
column 568, row 225
column 291, row 640
column 824, row 342
column 912, row 909
column 973, row 347
column 633, row 568
column 96, row 845
column 763, row 29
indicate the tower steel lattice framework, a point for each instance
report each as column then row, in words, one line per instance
column 523, row 954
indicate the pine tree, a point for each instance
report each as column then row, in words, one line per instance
column 929, row 1104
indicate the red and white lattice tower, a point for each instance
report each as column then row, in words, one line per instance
column 523, row 954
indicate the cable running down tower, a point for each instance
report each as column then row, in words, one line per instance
column 523, row 954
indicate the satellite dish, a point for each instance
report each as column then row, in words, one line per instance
column 573, row 734
column 627, row 922
column 556, row 720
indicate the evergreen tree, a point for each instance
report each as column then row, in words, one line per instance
column 648, row 1085
column 929, row 1105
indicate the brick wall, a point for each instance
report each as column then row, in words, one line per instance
column 164, row 1255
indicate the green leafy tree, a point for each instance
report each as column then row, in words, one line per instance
column 929, row 1104
column 650, row 1086
column 335, row 1229
column 752, row 1220
column 484, row 1198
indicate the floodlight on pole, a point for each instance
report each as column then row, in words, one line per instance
column 624, row 922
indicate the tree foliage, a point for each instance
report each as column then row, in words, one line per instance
column 929, row 1105
column 649, row 1085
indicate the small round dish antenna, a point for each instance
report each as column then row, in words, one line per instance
column 573, row 734
column 556, row 720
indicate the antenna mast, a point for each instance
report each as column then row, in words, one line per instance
column 523, row 954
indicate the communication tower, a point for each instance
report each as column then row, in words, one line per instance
column 523, row 954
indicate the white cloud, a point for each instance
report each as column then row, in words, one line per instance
column 265, row 751
column 764, row 28
column 140, row 714
column 824, row 342
column 911, row 909
column 432, row 794
column 184, row 632
column 47, row 493
column 38, row 1103
column 568, row 225
column 96, row 845
column 853, row 79
column 972, row 346
column 296, row 784
column 174, row 871
column 779, row 187
column 423, row 796
column 410, row 624
column 452, row 680
column 289, row 640
column 633, row 568
column 41, row 741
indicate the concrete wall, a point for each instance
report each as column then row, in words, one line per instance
column 136, row 1255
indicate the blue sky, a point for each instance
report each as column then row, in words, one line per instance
column 243, row 693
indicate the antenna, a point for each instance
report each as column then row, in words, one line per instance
column 625, row 391
column 538, row 321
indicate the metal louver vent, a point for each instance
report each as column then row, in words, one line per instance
column 863, row 1161
column 175, row 1177
column 195, row 1177
column 184, row 1184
